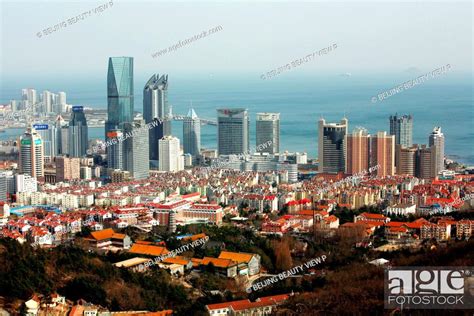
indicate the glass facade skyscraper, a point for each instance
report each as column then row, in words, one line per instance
column 78, row 133
column 192, row 134
column 268, row 132
column 155, row 107
column 331, row 145
column 119, row 92
column 232, row 131
column 402, row 128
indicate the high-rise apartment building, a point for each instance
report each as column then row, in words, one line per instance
column 31, row 161
column 426, row 160
column 47, row 102
column 78, row 133
column 171, row 157
column 192, row 134
column 358, row 151
column 135, row 149
column 232, row 131
column 29, row 95
column 61, row 102
column 331, row 146
column 402, row 128
column 7, row 185
column 119, row 92
column 156, row 108
column 67, row 169
column 437, row 139
column 382, row 152
column 268, row 132
column 25, row 183
column 406, row 158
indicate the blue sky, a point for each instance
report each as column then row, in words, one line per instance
column 255, row 37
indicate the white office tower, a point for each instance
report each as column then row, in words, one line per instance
column 192, row 134
column 7, row 185
column 62, row 102
column 268, row 132
column 49, row 136
column 29, row 96
column 170, row 158
column 232, row 131
column 25, row 183
column 30, row 150
column 47, row 102
column 136, row 155
column 437, row 139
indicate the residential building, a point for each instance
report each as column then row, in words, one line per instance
column 104, row 239
column 401, row 209
column 67, row 169
column 248, row 263
column 436, row 140
column 331, row 146
column 115, row 151
column 382, row 154
column 171, row 157
column 405, row 159
column 358, row 150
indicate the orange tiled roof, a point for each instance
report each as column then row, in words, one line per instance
column 195, row 237
column 218, row 262
column 106, row 233
column 148, row 250
column 180, row 261
column 236, row 256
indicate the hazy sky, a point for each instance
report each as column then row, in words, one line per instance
column 255, row 37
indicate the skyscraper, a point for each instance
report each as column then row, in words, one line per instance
column 232, row 131
column 59, row 124
column 29, row 95
column 49, row 136
column 426, row 160
column 61, row 102
column 357, row 148
column 115, row 150
column 78, row 133
column 331, row 145
column 171, row 158
column 437, row 139
column 47, row 102
column 382, row 151
column 268, row 132
column 192, row 134
column 31, row 153
column 156, row 108
column 135, row 148
column 119, row 92
column 406, row 159
column 402, row 128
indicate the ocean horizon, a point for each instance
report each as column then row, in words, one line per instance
column 444, row 101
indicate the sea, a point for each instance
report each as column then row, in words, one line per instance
column 445, row 101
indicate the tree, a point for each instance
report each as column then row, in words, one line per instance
column 282, row 253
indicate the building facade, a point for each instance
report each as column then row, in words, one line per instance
column 78, row 133
column 31, row 161
column 268, row 131
column 402, row 128
column 192, row 134
column 232, row 131
column 331, row 146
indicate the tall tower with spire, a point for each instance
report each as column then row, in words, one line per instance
column 192, row 134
